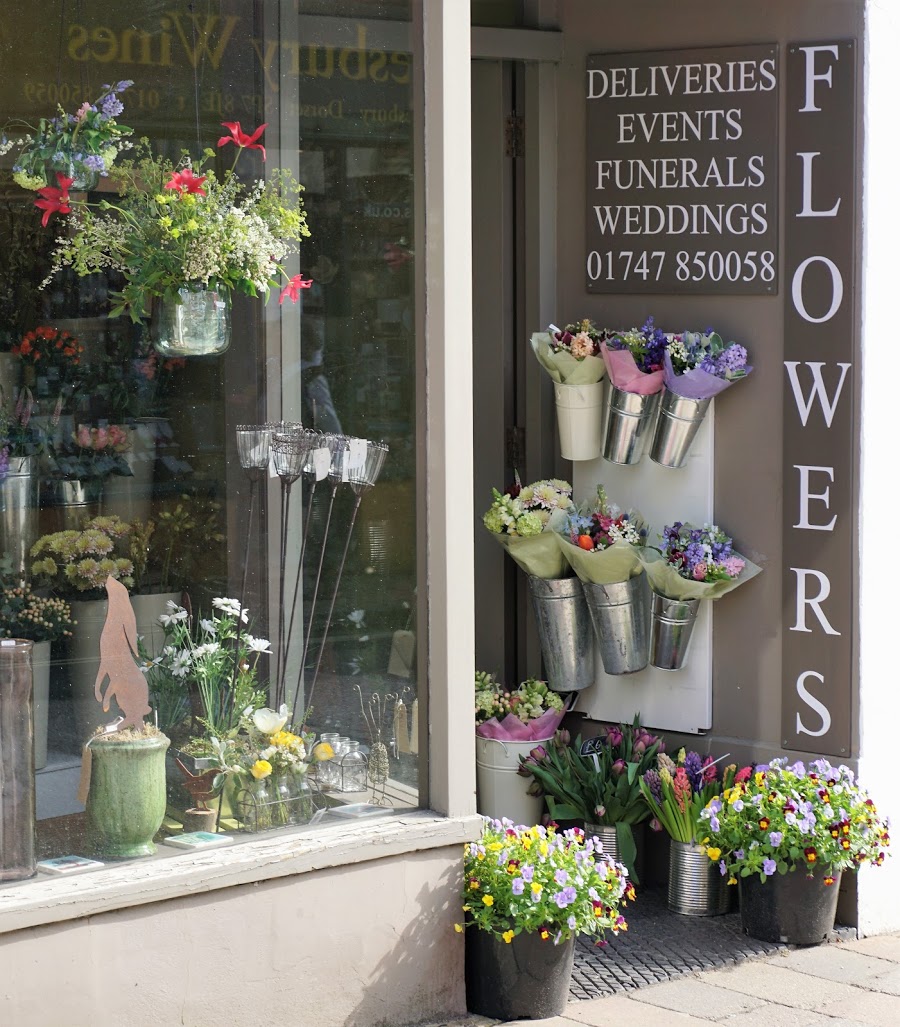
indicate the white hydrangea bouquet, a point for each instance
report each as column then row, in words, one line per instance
column 522, row 521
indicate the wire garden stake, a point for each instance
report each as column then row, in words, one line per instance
column 379, row 764
column 362, row 479
column 290, row 451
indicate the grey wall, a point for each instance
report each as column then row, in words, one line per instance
column 748, row 471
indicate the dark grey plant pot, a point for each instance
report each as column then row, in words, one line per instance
column 527, row 979
column 791, row 908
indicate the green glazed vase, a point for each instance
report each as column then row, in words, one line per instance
column 127, row 798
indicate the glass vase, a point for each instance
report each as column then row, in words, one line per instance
column 197, row 326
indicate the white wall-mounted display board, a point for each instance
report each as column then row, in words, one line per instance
column 666, row 700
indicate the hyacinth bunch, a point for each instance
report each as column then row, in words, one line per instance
column 530, row 700
column 541, row 881
column 786, row 817
column 80, row 145
column 37, row 618
column 647, row 346
column 605, row 525
column 180, row 225
column 709, row 353
column 581, row 339
column 677, row 791
column 524, row 511
column 700, row 554
column 79, row 562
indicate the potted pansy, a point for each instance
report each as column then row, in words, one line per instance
column 785, row 832
column 524, row 520
column 697, row 367
column 572, row 358
column 691, row 565
column 528, row 892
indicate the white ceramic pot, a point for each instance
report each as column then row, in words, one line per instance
column 502, row 791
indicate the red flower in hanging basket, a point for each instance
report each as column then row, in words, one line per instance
column 185, row 181
column 241, row 139
column 55, row 200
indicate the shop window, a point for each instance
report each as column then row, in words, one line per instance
column 118, row 417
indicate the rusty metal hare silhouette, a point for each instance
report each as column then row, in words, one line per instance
column 118, row 656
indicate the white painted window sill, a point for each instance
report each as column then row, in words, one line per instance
column 173, row 873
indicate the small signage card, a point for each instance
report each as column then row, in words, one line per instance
column 197, row 840
column 68, row 865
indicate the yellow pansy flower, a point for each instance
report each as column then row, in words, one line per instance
column 536, row 888
column 508, row 936
column 488, row 900
column 713, row 852
column 495, row 846
column 458, row 928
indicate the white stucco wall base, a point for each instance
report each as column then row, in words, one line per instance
column 370, row 945
column 879, row 889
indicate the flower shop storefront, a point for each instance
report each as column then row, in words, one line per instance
column 245, row 579
column 213, row 484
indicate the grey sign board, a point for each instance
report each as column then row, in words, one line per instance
column 821, row 423
column 682, row 171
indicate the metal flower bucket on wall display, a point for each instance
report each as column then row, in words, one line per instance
column 198, row 326
column 629, row 421
column 672, row 623
column 696, row 885
column 578, row 415
column 564, row 630
column 621, row 616
column 679, row 421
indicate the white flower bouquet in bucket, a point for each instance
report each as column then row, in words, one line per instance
column 571, row 356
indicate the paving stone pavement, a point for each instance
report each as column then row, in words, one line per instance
column 682, row 971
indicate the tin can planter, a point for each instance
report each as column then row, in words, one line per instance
column 578, row 410
column 502, row 791
column 679, row 421
column 526, row 979
column 696, row 884
column 630, row 419
column 608, row 837
column 198, row 326
column 126, row 802
column 671, row 625
column 791, row 908
column 621, row 616
column 564, row 630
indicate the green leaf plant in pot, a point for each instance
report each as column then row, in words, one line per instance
column 785, row 832
column 601, row 786
column 527, row 893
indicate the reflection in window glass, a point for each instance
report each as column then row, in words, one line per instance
column 165, row 428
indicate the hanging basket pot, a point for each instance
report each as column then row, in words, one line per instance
column 679, row 421
column 564, row 630
column 792, row 908
column 621, row 615
column 671, row 625
column 578, row 410
column 696, row 884
column 527, row 979
column 198, row 326
column 630, row 419
column 84, row 179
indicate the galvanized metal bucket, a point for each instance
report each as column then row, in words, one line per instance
column 630, row 419
column 672, row 622
column 564, row 630
column 679, row 421
column 578, row 416
column 696, row 884
column 621, row 616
